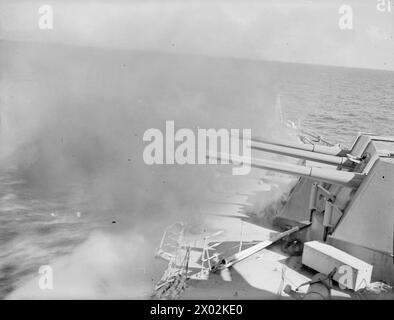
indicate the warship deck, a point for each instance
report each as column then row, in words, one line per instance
column 264, row 274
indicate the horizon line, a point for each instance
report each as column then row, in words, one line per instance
column 168, row 52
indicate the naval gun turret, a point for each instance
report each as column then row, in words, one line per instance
column 346, row 194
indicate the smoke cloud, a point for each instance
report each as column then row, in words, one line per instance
column 72, row 124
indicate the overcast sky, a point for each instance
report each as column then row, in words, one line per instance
column 283, row 30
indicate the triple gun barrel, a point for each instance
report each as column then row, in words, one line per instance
column 316, row 153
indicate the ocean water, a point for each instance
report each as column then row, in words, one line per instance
column 72, row 177
column 338, row 103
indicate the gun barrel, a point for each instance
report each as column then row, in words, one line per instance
column 343, row 178
column 335, row 151
column 299, row 153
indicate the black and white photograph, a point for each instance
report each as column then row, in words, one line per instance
column 215, row 150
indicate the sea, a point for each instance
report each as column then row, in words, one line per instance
column 74, row 191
